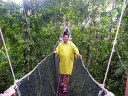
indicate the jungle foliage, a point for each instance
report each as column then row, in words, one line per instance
column 32, row 29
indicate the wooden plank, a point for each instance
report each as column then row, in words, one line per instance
column 61, row 93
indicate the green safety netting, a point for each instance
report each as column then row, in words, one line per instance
column 82, row 83
column 43, row 80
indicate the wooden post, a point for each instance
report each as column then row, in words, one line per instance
column 126, row 90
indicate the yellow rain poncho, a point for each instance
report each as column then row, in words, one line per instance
column 66, row 55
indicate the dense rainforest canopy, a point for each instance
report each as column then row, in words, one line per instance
column 31, row 30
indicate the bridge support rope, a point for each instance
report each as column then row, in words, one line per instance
column 114, row 43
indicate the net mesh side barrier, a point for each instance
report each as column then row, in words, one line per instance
column 82, row 83
column 43, row 80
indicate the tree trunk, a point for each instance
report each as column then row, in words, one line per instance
column 25, row 8
column 110, row 30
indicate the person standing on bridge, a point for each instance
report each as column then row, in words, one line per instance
column 66, row 50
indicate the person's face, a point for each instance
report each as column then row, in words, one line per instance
column 65, row 38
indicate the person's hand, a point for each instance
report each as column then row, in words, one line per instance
column 79, row 56
column 54, row 52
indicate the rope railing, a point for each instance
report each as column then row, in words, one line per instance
column 15, row 81
column 34, row 68
column 114, row 43
column 7, row 55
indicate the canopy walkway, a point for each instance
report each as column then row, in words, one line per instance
column 43, row 80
